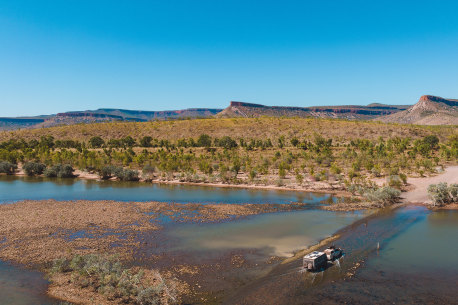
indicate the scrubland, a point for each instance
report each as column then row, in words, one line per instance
column 295, row 153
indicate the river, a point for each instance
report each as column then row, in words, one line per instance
column 416, row 261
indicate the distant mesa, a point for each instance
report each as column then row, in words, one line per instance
column 88, row 114
column 351, row 112
column 429, row 110
column 242, row 104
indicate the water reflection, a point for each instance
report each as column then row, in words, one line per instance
column 14, row 188
column 279, row 234
column 430, row 244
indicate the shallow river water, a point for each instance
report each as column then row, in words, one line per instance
column 22, row 287
column 415, row 264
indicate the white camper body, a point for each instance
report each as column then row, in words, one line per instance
column 315, row 261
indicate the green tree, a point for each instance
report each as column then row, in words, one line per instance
column 33, row 168
column 7, row 167
column 432, row 141
column 299, row 178
column 96, row 142
column 226, row 142
column 204, row 140
column 252, row 174
column 294, row 141
column 146, row 141
column 129, row 141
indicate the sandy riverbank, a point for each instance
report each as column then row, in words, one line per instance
column 419, row 193
column 307, row 186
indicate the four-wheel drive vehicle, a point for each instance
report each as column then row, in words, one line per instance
column 318, row 260
column 333, row 253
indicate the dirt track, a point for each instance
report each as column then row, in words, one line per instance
column 420, row 192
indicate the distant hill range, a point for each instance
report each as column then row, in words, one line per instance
column 102, row 115
column 240, row 109
column 429, row 110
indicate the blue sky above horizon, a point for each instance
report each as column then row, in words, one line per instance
column 58, row 56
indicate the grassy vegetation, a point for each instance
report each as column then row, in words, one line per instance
column 108, row 277
column 263, row 151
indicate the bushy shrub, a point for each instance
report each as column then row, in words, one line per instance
column 403, row 177
column 60, row 265
column 33, row 168
column 384, row 196
column 146, row 141
column 453, row 189
column 123, row 174
column 107, row 172
column 442, row 194
column 108, row 277
column 376, row 170
column 335, row 169
column 148, row 169
column 253, row 174
column 96, row 142
column 7, row 167
column 226, row 142
column 148, row 172
column 127, row 174
column 66, row 171
column 354, row 188
column 204, row 140
column 149, row 295
column 394, row 181
column 130, row 175
column 282, row 172
column 60, row 171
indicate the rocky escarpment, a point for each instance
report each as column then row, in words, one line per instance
column 241, row 109
column 429, row 110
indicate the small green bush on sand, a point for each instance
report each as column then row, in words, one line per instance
column 442, row 194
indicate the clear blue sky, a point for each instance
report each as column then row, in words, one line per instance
column 153, row 55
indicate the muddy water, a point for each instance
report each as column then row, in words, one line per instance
column 14, row 188
column 416, row 264
column 22, row 287
column 276, row 234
